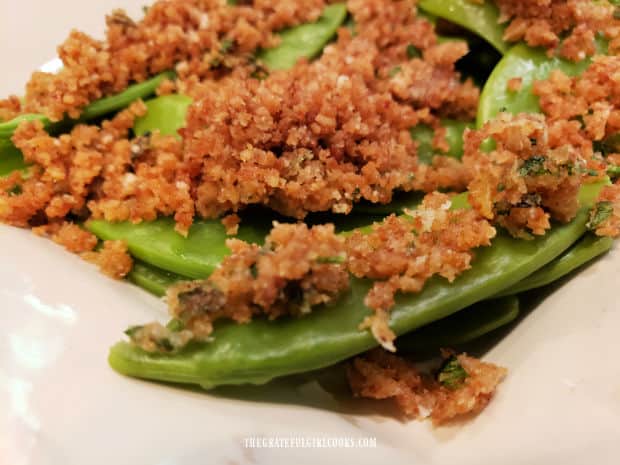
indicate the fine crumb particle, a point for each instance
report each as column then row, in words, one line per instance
column 231, row 223
column 514, row 84
column 402, row 253
column 567, row 28
column 71, row 236
column 113, row 259
column 463, row 386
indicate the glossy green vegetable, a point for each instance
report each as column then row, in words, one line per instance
column 262, row 350
column 157, row 243
column 96, row 109
column 166, row 114
column 306, row 40
column 151, row 279
column 462, row 327
column 10, row 159
column 530, row 65
column 588, row 248
column 481, row 19
column 423, row 134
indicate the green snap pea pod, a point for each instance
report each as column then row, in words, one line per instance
column 588, row 248
column 530, row 65
column 10, row 159
column 481, row 19
column 96, row 109
column 462, row 327
column 306, row 40
column 157, row 243
column 423, row 134
column 166, row 114
column 262, row 350
column 151, row 279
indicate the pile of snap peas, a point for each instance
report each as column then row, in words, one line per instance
column 442, row 314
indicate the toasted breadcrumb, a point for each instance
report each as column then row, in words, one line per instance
column 381, row 375
column 532, row 175
column 172, row 35
column 297, row 269
column 568, row 28
column 403, row 253
column 71, row 236
column 231, row 223
column 514, row 84
column 113, row 259
column 319, row 137
column 593, row 97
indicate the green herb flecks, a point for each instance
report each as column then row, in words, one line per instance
column 599, row 214
column 534, row 166
column 413, row 52
column 452, row 375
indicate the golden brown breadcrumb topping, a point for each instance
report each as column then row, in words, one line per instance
column 296, row 269
column 176, row 35
column 379, row 374
column 532, row 175
column 402, row 253
column 568, row 27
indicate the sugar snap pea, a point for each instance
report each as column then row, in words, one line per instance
column 94, row 110
column 462, row 327
column 304, row 41
column 166, row 114
column 423, row 134
column 585, row 250
column 262, row 350
column 529, row 65
column 151, row 279
column 481, row 19
column 157, row 243
column 10, row 159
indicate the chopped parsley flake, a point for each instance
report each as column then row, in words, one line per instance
column 534, row 166
column 599, row 214
column 394, row 71
column 413, row 52
column 452, row 375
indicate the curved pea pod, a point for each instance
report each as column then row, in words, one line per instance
column 151, row 279
column 529, row 65
column 262, row 350
column 481, row 19
column 94, row 110
column 157, row 243
column 305, row 40
column 462, row 327
column 11, row 159
column 588, row 248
